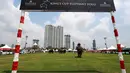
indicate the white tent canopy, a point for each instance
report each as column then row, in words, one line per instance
column 74, row 50
column 35, row 44
column 112, row 47
column 70, row 49
column 102, row 49
column 6, row 46
column 122, row 46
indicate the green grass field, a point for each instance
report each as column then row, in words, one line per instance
column 65, row 63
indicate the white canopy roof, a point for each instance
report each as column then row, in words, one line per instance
column 69, row 49
column 112, row 47
column 74, row 50
column 101, row 49
column 122, row 45
column 6, row 46
column 35, row 44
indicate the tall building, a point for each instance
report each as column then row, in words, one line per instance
column 53, row 36
column 59, row 36
column 67, row 41
column 48, row 36
column 73, row 44
column 94, row 44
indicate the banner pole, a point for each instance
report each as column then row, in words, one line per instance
column 121, row 59
column 17, row 46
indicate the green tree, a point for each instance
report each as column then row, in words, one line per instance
column 1, row 45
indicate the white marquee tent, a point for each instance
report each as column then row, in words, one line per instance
column 6, row 47
column 111, row 48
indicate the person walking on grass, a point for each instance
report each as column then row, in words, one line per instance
column 79, row 50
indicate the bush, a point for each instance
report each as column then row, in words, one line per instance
column 51, row 51
column 61, row 51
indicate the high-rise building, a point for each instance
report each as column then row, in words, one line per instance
column 67, row 41
column 73, row 44
column 53, row 36
column 48, row 36
column 94, row 44
column 60, row 35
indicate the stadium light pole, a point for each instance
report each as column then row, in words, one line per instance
column 105, row 38
column 25, row 42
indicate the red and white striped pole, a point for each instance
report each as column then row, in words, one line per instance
column 17, row 46
column 122, row 65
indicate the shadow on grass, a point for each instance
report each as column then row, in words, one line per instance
column 79, row 71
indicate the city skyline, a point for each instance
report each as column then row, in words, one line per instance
column 83, row 26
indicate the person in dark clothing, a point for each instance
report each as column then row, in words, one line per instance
column 79, row 50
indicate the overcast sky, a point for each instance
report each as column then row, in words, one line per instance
column 83, row 27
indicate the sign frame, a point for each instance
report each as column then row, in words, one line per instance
column 67, row 5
